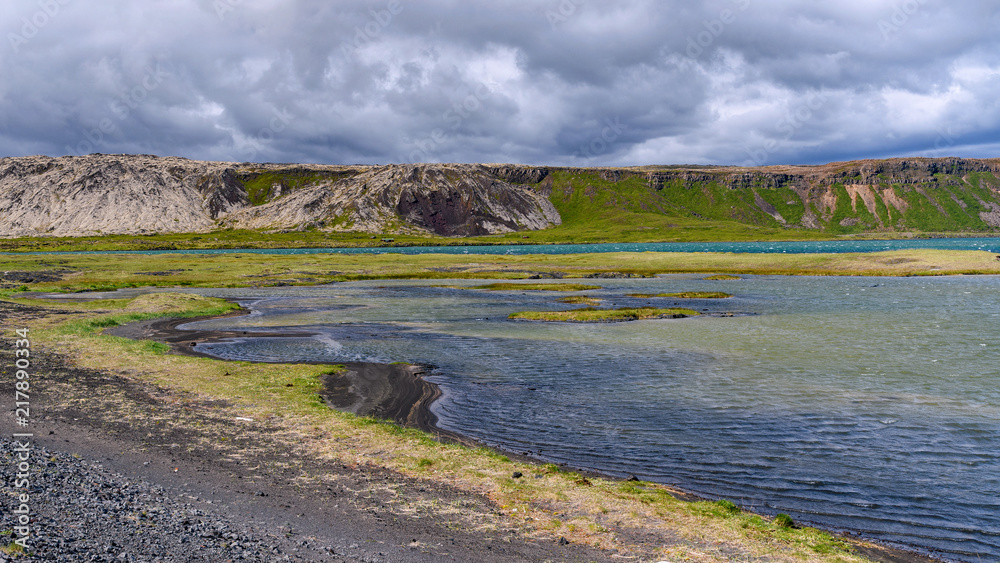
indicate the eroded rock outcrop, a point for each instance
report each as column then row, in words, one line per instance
column 449, row 200
column 139, row 194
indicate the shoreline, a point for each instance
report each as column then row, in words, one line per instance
column 395, row 392
column 190, row 480
column 398, row 393
column 446, row 242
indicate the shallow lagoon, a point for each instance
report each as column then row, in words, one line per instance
column 866, row 404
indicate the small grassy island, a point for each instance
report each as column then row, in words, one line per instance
column 594, row 315
column 685, row 295
column 579, row 300
column 537, row 287
column 723, row 277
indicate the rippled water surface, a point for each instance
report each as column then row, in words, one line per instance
column 867, row 404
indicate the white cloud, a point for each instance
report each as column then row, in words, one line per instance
column 551, row 86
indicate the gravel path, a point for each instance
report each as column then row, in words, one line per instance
column 83, row 511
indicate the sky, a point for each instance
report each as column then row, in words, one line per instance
column 545, row 82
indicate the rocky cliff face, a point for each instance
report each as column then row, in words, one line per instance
column 868, row 195
column 138, row 194
column 98, row 194
column 449, row 200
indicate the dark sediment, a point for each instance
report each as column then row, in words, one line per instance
column 395, row 392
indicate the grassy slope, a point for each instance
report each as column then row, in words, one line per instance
column 951, row 203
column 629, row 210
column 561, row 503
column 598, row 210
column 260, row 185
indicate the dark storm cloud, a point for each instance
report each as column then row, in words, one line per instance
column 557, row 82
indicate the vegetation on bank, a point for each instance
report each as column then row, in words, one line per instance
column 685, row 295
column 97, row 272
column 284, row 398
column 594, row 315
column 537, row 287
column 579, row 300
column 263, row 186
column 722, row 277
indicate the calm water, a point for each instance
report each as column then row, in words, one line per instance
column 866, row 404
column 790, row 247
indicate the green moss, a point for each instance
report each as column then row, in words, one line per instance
column 592, row 315
column 784, row 521
column 579, row 300
column 264, row 186
column 728, row 506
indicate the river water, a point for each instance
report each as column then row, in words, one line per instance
column 989, row 244
column 860, row 404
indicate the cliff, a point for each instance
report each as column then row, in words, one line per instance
column 142, row 194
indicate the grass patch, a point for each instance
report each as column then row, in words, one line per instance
column 144, row 307
column 592, row 315
column 105, row 271
column 579, row 300
column 685, row 295
column 537, row 287
column 722, row 277
column 784, row 521
column 8, row 293
column 13, row 549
